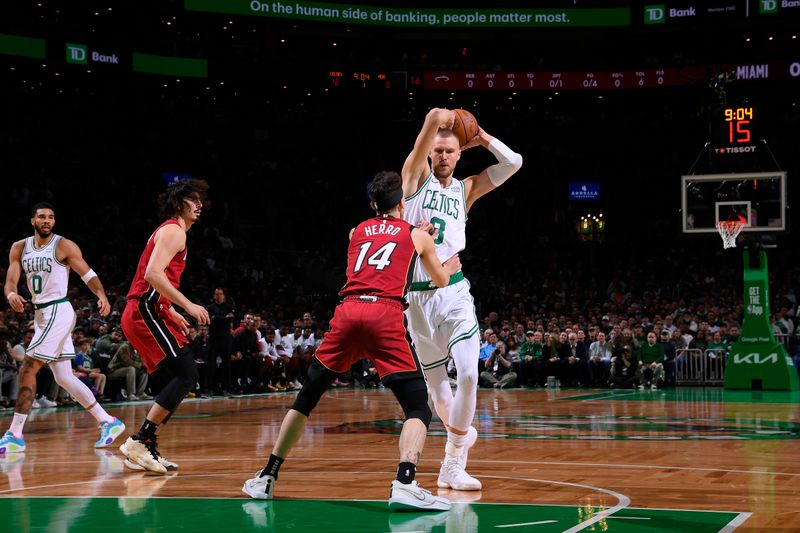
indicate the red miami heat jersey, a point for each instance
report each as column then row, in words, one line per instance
column 139, row 286
column 380, row 259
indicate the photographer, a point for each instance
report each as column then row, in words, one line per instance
column 498, row 371
column 623, row 371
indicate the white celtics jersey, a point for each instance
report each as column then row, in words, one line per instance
column 446, row 209
column 47, row 278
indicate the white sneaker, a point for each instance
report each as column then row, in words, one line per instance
column 169, row 465
column 137, row 453
column 653, row 387
column 260, row 488
column 412, row 497
column 45, row 402
column 166, row 463
column 453, row 476
column 35, row 404
column 296, row 384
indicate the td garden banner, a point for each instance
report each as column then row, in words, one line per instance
column 416, row 17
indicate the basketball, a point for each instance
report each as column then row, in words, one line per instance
column 465, row 126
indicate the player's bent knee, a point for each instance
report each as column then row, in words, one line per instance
column 413, row 397
column 423, row 413
column 318, row 380
column 183, row 377
column 468, row 379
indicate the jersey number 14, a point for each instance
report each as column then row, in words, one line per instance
column 381, row 259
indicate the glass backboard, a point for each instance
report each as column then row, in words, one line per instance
column 757, row 197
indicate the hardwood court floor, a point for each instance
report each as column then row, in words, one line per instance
column 568, row 460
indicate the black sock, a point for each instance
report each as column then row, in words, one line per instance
column 147, row 431
column 273, row 465
column 406, row 473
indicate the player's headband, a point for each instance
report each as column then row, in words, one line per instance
column 387, row 203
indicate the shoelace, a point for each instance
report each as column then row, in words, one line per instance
column 152, row 447
column 424, row 491
column 453, row 466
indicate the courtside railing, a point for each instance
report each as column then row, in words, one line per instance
column 689, row 366
column 707, row 367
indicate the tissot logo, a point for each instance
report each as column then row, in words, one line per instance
column 76, row 54
column 735, row 150
column 654, row 14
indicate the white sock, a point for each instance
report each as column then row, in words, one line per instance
column 17, row 424
column 100, row 414
column 459, row 441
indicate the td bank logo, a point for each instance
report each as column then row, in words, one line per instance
column 77, row 54
column 768, row 6
column 655, row 14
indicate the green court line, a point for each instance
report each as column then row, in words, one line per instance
column 122, row 515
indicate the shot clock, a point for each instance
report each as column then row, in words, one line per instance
column 733, row 129
column 739, row 120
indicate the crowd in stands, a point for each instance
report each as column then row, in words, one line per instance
column 627, row 334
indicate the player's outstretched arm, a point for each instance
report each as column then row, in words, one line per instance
column 439, row 272
column 68, row 253
column 416, row 168
column 16, row 301
column 508, row 163
column 170, row 240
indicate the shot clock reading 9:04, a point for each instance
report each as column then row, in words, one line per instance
column 738, row 119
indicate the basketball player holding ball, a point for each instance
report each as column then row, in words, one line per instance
column 442, row 321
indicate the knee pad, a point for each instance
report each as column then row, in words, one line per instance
column 315, row 385
column 413, row 397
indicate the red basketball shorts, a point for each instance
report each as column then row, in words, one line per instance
column 150, row 330
column 366, row 327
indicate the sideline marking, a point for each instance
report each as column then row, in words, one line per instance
column 529, row 523
column 736, row 522
column 622, row 500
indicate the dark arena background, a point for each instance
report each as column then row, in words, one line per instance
column 622, row 112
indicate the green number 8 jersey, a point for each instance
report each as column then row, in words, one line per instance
column 446, row 209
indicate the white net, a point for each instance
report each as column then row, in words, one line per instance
column 729, row 230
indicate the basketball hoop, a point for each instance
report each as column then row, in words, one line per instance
column 729, row 230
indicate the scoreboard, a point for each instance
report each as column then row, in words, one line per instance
column 583, row 80
column 571, row 80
